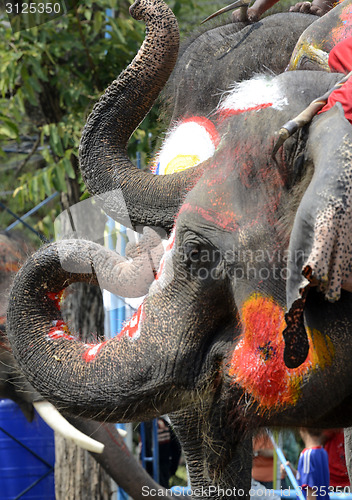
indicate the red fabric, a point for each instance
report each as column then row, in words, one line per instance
column 335, row 448
column 340, row 57
column 263, row 467
column 340, row 60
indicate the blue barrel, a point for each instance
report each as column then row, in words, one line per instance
column 27, row 456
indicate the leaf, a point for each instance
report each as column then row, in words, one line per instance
column 39, row 70
column 59, row 179
column 47, row 181
column 68, row 168
column 34, row 189
column 9, row 130
column 17, row 191
column 34, row 83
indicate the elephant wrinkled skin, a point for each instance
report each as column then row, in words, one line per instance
column 254, row 270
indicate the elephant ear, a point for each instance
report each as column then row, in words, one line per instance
column 320, row 249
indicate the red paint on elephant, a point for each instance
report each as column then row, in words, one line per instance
column 227, row 112
column 60, row 331
column 344, row 26
column 257, row 362
column 252, row 95
column 132, row 327
column 56, row 298
column 191, row 142
column 226, row 220
column 207, row 125
column 92, row 351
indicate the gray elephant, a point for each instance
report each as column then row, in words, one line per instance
column 247, row 323
column 105, row 443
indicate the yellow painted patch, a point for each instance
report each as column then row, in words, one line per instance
column 181, row 162
column 305, row 50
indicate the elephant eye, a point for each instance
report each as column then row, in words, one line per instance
column 192, row 253
column 202, row 259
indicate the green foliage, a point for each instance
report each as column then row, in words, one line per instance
column 50, row 77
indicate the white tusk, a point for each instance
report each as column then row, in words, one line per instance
column 122, row 432
column 234, row 5
column 59, row 424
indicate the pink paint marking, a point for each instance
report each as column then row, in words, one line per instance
column 132, row 327
column 92, row 351
column 226, row 220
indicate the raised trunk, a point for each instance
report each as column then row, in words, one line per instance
column 129, row 195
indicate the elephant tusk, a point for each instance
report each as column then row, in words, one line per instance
column 122, row 432
column 234, row 5
column 305, row 116
column 60, row 425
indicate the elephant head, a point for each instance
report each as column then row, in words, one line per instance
column 229, row 301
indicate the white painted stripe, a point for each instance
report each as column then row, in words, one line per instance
column 259, row 91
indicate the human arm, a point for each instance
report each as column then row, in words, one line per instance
column 283, row 470
column 255, row 12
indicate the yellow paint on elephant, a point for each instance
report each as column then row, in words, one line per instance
column 305, row 50
column 257, row 363
column 321, row 350
column 181, row 162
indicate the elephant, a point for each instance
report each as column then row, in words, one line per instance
column 115, row 458
column 247, row 322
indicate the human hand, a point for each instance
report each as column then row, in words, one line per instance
column 308, row 8
column 252, row 16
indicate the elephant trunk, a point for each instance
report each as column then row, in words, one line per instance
column 103, row 380
column 104, row 163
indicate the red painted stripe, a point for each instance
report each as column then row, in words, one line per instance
column 227, row 112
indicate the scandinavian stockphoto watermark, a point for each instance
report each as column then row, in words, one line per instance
column 24, row 15
column 192, row 260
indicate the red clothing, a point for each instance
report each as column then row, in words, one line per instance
column 263, row 467
column 335, row 448
column 340, row 60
